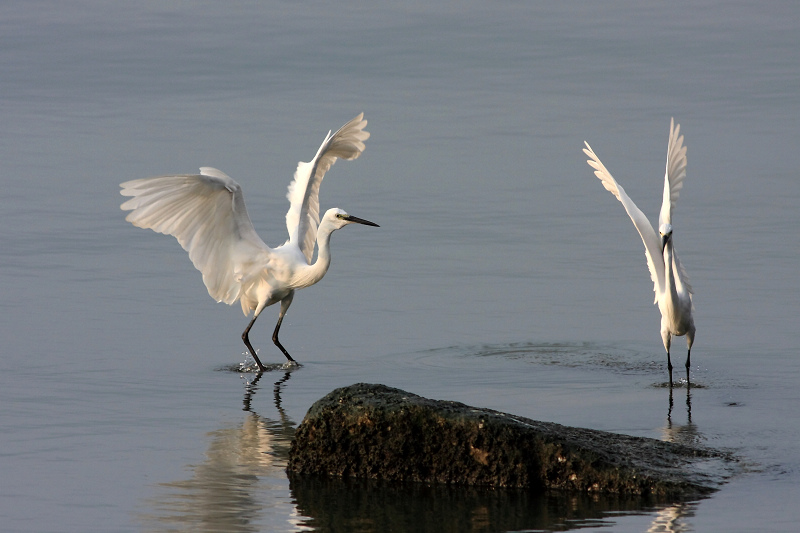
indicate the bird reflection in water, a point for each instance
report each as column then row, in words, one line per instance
column 673, row 519
column 686, row 434
column 230, row 489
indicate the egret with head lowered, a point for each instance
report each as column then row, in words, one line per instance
column 207, row 214
column 671, row 284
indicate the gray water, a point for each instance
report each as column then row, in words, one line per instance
column 503, row 275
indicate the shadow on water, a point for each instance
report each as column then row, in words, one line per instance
column 364, row 506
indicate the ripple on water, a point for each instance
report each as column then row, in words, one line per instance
column 249, row 366
column 617, row 359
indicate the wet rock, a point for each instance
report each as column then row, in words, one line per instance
column 379, row 432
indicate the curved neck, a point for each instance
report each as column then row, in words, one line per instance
column 669, row 273
column 314, row 273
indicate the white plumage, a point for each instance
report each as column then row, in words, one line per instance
column 207, row 214
column 673, row 293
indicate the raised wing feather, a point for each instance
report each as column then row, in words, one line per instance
column 206, row 213
column 303, row 216
column 652, row 245
column 682, row 276
column 675, row 173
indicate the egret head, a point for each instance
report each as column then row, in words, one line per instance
column 666, row 234
column 338, row 218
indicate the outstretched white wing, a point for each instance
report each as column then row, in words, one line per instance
column 303, row 216
column 206, row 213
column 682, row 277
column 652, row 244
column 675, row 173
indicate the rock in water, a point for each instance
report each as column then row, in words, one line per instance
column 379, row 432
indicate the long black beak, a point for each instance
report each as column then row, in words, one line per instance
column 357, row 220
column 664, row 239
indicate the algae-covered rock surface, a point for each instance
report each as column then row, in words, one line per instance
column 379, row 432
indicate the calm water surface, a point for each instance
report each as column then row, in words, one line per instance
column 502, row 275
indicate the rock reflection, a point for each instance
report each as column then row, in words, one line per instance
column 370, row 506
column 241, row 486
column 226, row 491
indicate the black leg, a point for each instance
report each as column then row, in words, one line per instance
column 246, row 339
column 688, row 363
column 278, row 343
column 669, row 367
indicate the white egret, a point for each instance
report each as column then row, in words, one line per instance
column 671, row 284
column 207, row 214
